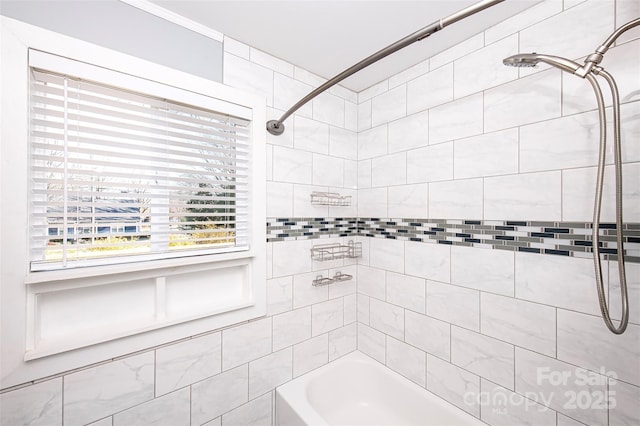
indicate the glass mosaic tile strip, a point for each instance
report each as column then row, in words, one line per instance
column 552, row 238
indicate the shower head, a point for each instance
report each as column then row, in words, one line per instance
column 532, row 59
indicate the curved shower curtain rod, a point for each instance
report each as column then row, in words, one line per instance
column 276, row 127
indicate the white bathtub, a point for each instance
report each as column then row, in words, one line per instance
column 355, row 390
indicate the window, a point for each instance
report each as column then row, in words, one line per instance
column 148, row 151
column 119, row 176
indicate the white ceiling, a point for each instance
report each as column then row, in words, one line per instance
column 326, row 37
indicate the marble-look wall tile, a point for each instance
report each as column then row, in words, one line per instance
column 406, row 291
column 372, row 143
column 517, row 197
column 565, row 420
column 632, row 273
column 387, row 318
column 486, row 270
column 350, row 308
column 287, row 91
column 458, row 51
column 525, row 324
column 454, row 384
column 502, row 407
column 557, row 385
column 328, row 171
column 578, row 193
column 585, row 341
column 527, row 100
column 107, row 421
column 36, row 405
column 407, row 361
column 187, row 362
column 270, row 371
column 310, row 354
column 562, row 143
column 213, row 397
column 279, row 295
column 311, row 135
column 291, row 328
column 429, row 334
column 627, row 400
column 246, row 342
column 371, row 282
column 171, row 409
column 458, row 119
column 101, row 391
column 291, row 257
column 364, row 174
column 351, row 116
column 279, row 199
column 372, row 202
column 430, row 90
column 522, row 20
column 271, row 62
column 292, row 165
column 389, row 106
column 343, row 143
column 343, row 341
column 327, row 316
column 591, row 24
column 431, row 261
column 431, row 163
column 364, row 115
column 490, row 154
column 389, row 170
column 456, row 199
column 242, row 74
column 565, row 282
column 387, row 254
column 329, row 108
column 487, row 357
column 304, row 293
column 258, row 412
column 468, row 80
column 237, row 48
column 373, row 91
column 363, row 308
column 409, row 74
column 453, row 304
column 408, row 201
column 410, row 132
column 372, row 342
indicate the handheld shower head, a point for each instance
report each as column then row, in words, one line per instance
column 525, row 60
column 532, row 59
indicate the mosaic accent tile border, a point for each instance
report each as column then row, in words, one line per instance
column 554, row 238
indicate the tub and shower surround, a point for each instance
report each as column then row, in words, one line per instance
column 475, row 190
column 228, row 376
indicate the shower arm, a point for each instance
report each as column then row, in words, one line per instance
column 276, row 127
column 596, row 57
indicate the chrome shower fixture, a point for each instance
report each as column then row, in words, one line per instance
column 276, row 127
column 532, row 59
column 589, row 70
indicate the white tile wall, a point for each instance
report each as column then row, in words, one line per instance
column 468, row 324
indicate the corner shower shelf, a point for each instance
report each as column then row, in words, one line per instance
column 339, row 276
column 330, row 199
column 324, row 252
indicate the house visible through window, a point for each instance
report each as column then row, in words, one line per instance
column 119, row 176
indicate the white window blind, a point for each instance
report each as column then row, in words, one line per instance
column 120, row 176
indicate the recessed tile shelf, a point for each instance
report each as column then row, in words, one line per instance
column 552, row 238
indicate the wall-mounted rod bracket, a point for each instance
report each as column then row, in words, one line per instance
column 276, row 127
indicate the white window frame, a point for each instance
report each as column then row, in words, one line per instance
column 24, row 357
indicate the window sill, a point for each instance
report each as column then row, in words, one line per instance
column 132, row 267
